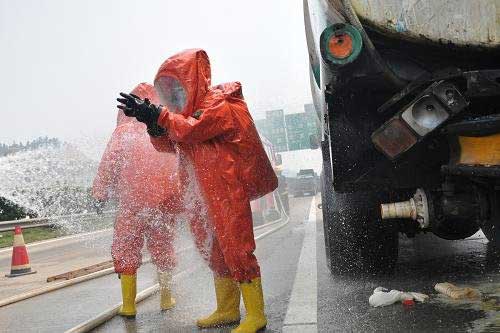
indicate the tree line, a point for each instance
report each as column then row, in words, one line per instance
column 7, row 149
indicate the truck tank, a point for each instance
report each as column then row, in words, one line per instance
column 459, row 22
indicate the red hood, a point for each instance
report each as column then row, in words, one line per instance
column 143, row 90
column 192, row 68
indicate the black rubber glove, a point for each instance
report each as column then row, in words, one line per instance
column 142, row 110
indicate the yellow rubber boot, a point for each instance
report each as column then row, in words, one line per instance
column 167, row 302
column 129, row 290
column 227, row 295
column 254, row 304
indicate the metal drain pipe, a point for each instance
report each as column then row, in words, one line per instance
column 416, row 208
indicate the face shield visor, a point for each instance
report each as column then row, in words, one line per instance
column 171, row 93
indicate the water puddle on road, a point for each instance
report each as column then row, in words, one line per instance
column 488, row 306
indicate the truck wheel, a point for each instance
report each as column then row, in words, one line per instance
column 356, row 238
column 326, row 209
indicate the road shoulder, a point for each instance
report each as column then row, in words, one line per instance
column 301, row 315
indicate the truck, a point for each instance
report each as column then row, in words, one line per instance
column 306, row 183
column 408, row 97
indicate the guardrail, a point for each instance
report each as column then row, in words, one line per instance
column 48, row 221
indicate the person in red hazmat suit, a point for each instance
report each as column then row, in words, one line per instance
column 215, row 136
column 145, row 184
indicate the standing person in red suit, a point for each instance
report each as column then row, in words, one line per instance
column 215, row 136
column 145, row 184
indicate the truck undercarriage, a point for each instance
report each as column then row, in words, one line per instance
column 410, row 142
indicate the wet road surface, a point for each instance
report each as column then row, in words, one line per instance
column 423, row 262
column 63, row 309
column 342, row 301
column 278, row 256
column 53, row 257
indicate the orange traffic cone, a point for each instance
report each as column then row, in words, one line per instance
column 20, row 260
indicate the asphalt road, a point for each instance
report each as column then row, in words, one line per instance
column 60, row 310
column 293, row 276
column 423, row 262
column 53, row 257
column 278, row 256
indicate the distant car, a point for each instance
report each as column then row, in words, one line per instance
column 306, row 183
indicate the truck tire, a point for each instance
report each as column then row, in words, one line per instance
column 326, row 209
column 356, row 239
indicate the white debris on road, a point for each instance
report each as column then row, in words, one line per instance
column 383, row 297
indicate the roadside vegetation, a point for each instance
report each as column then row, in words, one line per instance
column 31, row 235
column 42, row 233
column 11, row 211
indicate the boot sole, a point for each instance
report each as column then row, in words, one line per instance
column 128, row 316
column 221, row 325
column 166, row 309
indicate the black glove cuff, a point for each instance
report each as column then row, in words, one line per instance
column 156, row 131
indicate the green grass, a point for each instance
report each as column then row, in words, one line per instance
column 40, row 233
column 30, row 235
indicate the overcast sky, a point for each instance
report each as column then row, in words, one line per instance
column 64, row 62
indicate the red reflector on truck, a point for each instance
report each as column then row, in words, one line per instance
column 394, row 138
column 340, row 46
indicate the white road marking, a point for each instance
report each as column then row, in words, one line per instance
column 302, row 308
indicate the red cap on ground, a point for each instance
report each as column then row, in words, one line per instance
column 17, row 230
column 408, row 302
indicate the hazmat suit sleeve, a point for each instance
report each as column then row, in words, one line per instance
column 109, row 169
column 212, row 121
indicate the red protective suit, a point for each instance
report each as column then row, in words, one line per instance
column 146, row 186
column 216, row 136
